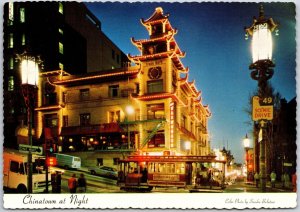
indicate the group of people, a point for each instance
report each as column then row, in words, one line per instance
column 285, row 179
column 77, row 185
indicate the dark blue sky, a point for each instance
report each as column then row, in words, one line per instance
column 212, row 35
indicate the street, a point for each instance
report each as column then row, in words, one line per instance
column 98, row 184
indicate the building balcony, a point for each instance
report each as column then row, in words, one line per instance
column 91, row 129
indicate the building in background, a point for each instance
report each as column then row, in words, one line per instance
column 66, row 35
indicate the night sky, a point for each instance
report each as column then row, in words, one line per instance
column 217, row 54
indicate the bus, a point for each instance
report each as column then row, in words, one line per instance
column 143, row 172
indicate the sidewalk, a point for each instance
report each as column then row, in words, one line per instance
column 278, row 186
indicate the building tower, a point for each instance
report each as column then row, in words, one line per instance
column 165, row 94
column 66, row 35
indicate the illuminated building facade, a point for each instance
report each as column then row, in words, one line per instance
column 91, row 109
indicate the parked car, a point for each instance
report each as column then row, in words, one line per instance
column 104, row 171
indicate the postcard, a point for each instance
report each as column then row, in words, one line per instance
column 159, row 105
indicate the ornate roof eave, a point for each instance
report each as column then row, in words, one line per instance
column 150, row 56
column 95, row 76
column 54, row 73
column 183, row 80
column 156, row 16
column 208, row 113
column 136, row 43
column 168, row 36
column 177, row 62
column 195, row 90
column 198, row 100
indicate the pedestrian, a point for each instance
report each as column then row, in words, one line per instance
column 286, row 180
column 256, row 177
column 273, row 179
column 81, row 184
column 72, row 183
column 144, row 175
column 282, row 180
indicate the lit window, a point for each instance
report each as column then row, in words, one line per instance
column 61, row 48
column 85, row 119
column 155, row 86
column 84, row 94
column 10, row 13
column 22, row 15
column 65, row 121
column 60, row 31
column 114, row 91
column 114, row 116
column 11, row 63
column 11, row 40
column 23, row 39
column 155, row 111
column 61, row 8
column 61, row 66
column 51, row 120
column 11, row 83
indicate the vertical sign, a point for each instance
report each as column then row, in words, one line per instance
column 172, row 124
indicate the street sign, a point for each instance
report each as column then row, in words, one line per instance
column 262, row 112
column 287, row 164
column 38, row 150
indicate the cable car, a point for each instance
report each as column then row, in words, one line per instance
column 141, row 172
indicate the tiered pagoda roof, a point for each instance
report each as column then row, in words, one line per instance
column 174, row 52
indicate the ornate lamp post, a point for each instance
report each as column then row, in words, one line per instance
column 29, row 73
column 261, row 32
column 247, row 146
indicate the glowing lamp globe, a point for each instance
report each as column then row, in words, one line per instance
column 29, row 72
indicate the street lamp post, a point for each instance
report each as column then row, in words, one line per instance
column 247, row 146
column 261, row 32
column 129, row 111
column 29, row 73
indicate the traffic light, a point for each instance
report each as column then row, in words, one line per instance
column 50, row 147
column 51, row 161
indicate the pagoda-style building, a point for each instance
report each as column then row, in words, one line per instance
column 149, row 108
column 165, row 90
